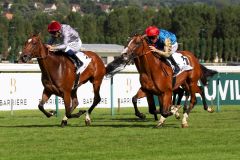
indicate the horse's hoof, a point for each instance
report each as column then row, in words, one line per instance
column 87, row 122
column 160, row 125
column 210, row 110
column 185, row 125
column 141, row 115
column 63, row 124
column 53, row 112
column 177, row 117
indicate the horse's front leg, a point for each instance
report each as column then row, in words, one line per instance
column 68, row 108
column 140, row 94
column 165, row 100
column 152, row 106
column 96, row 100
column 75, row 104
column 45, row 96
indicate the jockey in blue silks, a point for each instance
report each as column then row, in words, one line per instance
column 71, row 41
column 164, row 43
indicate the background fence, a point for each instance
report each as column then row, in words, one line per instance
column 21, row 88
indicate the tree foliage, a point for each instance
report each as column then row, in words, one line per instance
column 205, row 30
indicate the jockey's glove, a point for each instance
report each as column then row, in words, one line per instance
column 167, row 42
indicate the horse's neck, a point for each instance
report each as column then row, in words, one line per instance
column 144, row 65
column 47, row 62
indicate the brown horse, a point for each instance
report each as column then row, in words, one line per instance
column 156, row 77
column 59, row 77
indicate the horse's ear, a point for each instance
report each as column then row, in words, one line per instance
column 144, row 36
column 39, row 34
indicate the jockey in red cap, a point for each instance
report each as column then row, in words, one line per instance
column 71, row 41
column 164, row 43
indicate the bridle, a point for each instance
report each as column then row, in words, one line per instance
column 33, row 49
column 133, row 55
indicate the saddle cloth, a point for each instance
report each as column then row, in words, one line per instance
column 85, row 59
column 182, row 62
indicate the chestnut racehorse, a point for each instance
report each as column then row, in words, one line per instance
column 59, row 77
column 156, row 77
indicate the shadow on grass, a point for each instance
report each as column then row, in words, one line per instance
column 94, row 125
column 150, row 126
column 30, row 126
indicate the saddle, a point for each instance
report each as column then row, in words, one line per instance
column 85, row 59
column 182, row 61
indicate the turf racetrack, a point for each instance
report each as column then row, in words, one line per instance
column 30, row 135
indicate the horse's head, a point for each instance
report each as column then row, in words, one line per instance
column 136, row 47
column 31, row 49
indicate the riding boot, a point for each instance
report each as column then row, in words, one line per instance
column 176, row 67
column 76, row 60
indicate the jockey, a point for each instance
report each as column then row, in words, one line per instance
column 71, row 41
column 164, row 43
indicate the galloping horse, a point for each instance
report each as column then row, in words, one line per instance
column 156, row 77
column 59, row 77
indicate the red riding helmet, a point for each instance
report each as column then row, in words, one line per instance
column 152, row 31
column 54, row 26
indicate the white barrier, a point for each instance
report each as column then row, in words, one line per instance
column 21, row 88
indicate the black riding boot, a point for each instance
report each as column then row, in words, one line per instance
column 176, row 67
column 76, row 60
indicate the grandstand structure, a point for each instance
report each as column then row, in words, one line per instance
column 106, row 51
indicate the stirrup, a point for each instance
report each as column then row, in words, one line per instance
column 78, row 70
column 175, row 73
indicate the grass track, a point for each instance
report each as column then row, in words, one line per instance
column 29, row 135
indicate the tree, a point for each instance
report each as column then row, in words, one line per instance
column 227, row 22
column 226, row 49
column 135, row 19
column 209, row 53
column 220, row 48
column 186, row 21
column 202, row 48
column 117, row 25
column 3, row 37
column 40, row 23
column 214, row 49
column 76, row 21
column 90, row 29
column 162, row 18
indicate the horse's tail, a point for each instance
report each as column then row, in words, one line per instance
column 115, row 66
column 206, row 73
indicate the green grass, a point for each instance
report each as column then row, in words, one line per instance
column 30, row 135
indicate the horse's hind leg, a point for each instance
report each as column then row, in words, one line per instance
column 45, row 96
column 140, row 94
column 96, row 100
column 205, row 106
column 193, row 101
column 177, row 105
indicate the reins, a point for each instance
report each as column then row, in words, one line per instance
column 145, row 53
